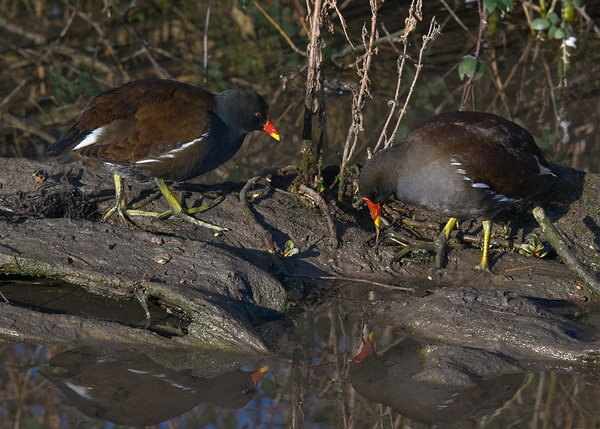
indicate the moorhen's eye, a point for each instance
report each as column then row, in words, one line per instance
column 258, row 115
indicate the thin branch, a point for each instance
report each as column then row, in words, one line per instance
column 555, row 238
column 588, row 19
column 434, row 30
column 265, row 236
column 482, row 25
column 205, row 40
column 359, row 98
column 159, row 70
column 274, row 24
column 325, row 209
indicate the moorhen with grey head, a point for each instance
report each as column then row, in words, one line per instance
column 163, row 130
column 462, row 165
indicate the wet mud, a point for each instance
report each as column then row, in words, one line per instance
column 237, row 297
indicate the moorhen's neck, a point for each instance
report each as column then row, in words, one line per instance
column 379, row 180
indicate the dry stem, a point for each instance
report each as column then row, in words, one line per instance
column 359, row 98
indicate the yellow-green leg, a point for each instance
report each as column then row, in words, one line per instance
column 487, row 234
column 177, row 210
column 449, row 226
column 121, row 205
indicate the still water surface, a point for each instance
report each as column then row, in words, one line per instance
column 312, row 381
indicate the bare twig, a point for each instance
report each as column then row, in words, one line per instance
column 325, row 209
column 456, row 18
column 265, row 235
column 26, row 126
column 13, row 92
column 278, row 27
column 482, row 25
column 555, row 238
column 388, row 38
column 358, row 101
column 588, row 19
column 159, row 70
column 205, row 40
column 356, row 280
column 313, row 84
column 434, row 30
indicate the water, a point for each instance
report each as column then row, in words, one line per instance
column 311, row 381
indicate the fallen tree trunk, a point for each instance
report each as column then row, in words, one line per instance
column 49, row 227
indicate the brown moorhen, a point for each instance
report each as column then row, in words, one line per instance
column 462, row 165
column 165, row 130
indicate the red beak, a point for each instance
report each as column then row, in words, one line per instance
column 375, row 211
column 367, row 349
column 269, row 128
column 258, row 375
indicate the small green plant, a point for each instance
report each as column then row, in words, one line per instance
column 535, row 249
column 503, row 5
column 506, row 230
column 68, row 92
column 470, row 66
column 553, row 25
column 290, row 249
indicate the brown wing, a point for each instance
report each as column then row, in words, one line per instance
column 492, row 150
column 138, row 120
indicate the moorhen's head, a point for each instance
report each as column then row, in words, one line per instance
column 245, row 111
column 376, row 184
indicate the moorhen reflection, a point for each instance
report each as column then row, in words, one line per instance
column 165, row 130
column 394, row 379
column 462, row 165
column 129, row 388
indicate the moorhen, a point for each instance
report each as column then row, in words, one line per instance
column 462, row 165
column 165, row 130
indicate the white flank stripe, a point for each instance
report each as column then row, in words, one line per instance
column 504, row 199
column 90, row 139
column 543, row 170
column 480, row 185
column 82, row 391
column 461, row 171
column 172, row 152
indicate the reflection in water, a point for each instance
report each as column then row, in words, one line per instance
column 126, row 387
column 312, row 381
column 396, row 378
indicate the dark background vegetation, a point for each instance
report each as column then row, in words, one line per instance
column 55, row 55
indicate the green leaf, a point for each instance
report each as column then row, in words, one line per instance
column 505, row 5
column 559, row 33
column 540, row 24
column 290, row 249
column 490, row 5
column 468, row 66
column 553, row 17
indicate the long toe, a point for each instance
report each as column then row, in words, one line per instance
column 201, row 222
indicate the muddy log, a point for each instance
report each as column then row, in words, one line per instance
column 225, row 284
